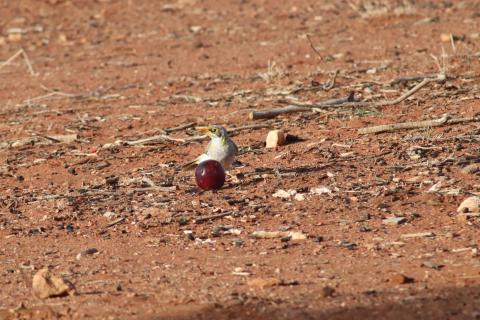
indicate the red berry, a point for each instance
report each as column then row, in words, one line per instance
column 210, row 175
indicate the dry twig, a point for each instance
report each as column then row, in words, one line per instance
column 417, row 124
column 20, row 52
column 213, row 216
column 342, row 102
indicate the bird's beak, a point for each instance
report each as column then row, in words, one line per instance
column 204, row 130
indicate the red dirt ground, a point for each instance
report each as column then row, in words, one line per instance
column 117, row 71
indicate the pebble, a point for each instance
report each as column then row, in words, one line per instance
column 275, row 138
column 400, row 279
column 284, row 194
column 46, row 285
column 445, row 37
column 321, row 190
column 263, row 282
column 87, row 252
column 327, row 292
column 109, row 214
column 15, row 37
column 394, row 220
column 470, row 204
column 432, row 265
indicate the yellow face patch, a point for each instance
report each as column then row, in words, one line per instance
column 215, row 131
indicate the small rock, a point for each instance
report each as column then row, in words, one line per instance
column 400, row 279
column 109, row 215
column 87, row 252
column 15, row 37
column 394, row 220
column 280, row 193
column 46, row 285
column 237, row 242
column 275, row 138
column 328, row 292
column 471, row 204
column 432, row 265
column 195, row 29
column 365, row 228
column 445, row 37
column 295, row 235
column 321, row 190
column 299, row 197
column 262, row 283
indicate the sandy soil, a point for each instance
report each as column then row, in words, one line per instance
column 106, row 73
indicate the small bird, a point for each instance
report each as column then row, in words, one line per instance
column 221, row 148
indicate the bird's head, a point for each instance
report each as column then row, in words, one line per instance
column 214, row 131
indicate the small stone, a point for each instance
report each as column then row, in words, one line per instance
column 394, row 220
column 280, row 193
column 471, row 204
column 275, row 138
column 400, row 279
column 328, row 292
column 365, row 228
column 109, row 214
column 195, row 29
column 321, row 190
column 262, row 283
column 445, row 37
column 62, row 38
column 15, row 37
column 299, row 197
column 46, row 285
column 237, row 242
column 296, row 235
column 87, row 252
column 432, row 265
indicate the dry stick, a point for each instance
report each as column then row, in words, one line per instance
column 180, row 127
column 408, row 93
column 25, row 57
column 342, row 102
column 271, row 113
column 413, row 78
column 417, row 124
column 313, row 47
column 213, row 216
column 160, row 137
